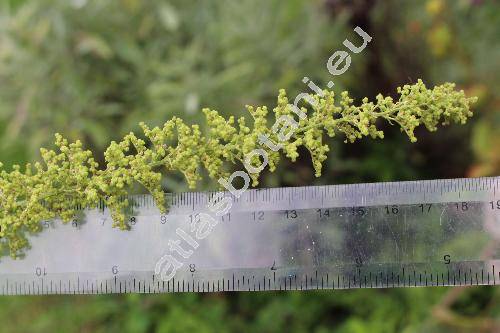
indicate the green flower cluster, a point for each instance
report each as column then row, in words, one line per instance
column 69, row 177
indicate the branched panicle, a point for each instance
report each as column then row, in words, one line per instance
column 69, row 176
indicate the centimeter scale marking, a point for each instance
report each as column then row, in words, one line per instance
column 380, row 235
column 240, row 282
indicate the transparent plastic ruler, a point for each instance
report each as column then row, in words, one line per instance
column 401, row 234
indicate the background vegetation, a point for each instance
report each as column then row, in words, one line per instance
column 92, row 69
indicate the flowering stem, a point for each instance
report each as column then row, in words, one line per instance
column 70, row 177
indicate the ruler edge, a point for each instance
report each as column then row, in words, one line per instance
column 194, row 199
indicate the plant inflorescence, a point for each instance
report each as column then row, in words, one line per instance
column 69, row 176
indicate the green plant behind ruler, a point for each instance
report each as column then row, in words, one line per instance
column 70, row 176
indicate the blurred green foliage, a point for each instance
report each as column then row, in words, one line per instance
column 456, row 40
column 93, row 69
